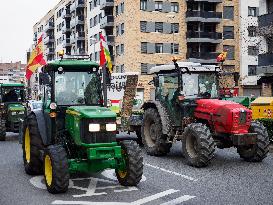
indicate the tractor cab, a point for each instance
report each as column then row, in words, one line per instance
column 12, row 107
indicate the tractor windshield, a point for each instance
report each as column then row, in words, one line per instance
column 77, row 88
column 200, row 85
column 13, row 94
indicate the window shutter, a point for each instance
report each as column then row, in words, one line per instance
column 150, row 5
column 150, row 48
column 166, row 7
column 230, row 52
column 149, row 66
column 143, row 26
column 143, row 47
column 119, row 9
column 150, row 27
column 167, row 28
column 144, row 68
column 257, row 11
column 167, row 48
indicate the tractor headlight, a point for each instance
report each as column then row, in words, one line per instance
column 53, row 106
column 111, row 127
column 13, row 113
column 21, row 112
column 94, row 127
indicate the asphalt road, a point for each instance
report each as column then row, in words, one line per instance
column 167, row 180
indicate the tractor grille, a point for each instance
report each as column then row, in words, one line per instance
column 243, row 116
column 97, row 137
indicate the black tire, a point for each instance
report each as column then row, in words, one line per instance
column 198, row 145
column 257, row 152
column 56, row 166
column 139, row 138
column 134, row 164
column 32, row 161
column 151, row 133
column 2, row 129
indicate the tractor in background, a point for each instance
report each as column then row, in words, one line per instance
column 187, row 108
column 74, row 131
column 12, row 108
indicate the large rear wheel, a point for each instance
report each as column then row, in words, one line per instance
column 198, row 145
column 151, row 133
column 56, row 171
column 131, row 172
column 257, row 152
column 32, row 144
column 2, row 129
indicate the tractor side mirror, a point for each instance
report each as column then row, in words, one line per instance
column 44, row 79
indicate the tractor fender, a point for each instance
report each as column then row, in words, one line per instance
column 42, row 126
column 165, row 119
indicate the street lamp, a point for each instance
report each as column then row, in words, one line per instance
column 171, row 16
column 94, row 41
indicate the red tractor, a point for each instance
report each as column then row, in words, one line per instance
column 187, row 108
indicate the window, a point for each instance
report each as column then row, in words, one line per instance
column 122, row 29
column 122, row 70
column 100, row 16
column 174, row 7
column 159, row 47
column 159, row 27
column 116, row 10
column 253, row 50
column 122, row 7
column 143, row 26
column 252, row 70
column 95, row 20
column 252, row 31
column 143, row 5
column 122, row 49
column 144, row 68
column 175, row 48
column 95, row 3
column 228, row 32
column 228, row 12
column 117, row 50
column 144, row 47
column 158, row 5
column 230, row 52
column 175, row 27
column 252, row 11
column 117, row 30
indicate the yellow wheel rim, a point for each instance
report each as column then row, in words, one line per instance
column 27, row 145
column 122, row 174
column 48, row 170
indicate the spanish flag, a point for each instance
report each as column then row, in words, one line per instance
column 36, row 59
column 222, row 57
column 105, row 57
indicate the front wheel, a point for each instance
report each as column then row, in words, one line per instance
column 56, row 172
column 131, row 167
column 198, row 145
column 2, row 130
column 257, row 152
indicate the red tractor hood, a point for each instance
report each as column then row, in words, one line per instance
column 224, row 116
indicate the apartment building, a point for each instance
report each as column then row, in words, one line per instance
column 265, row 58
column 249, row 43
column 12, row 72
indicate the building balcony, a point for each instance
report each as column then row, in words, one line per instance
column 107, row 21
column 80, row 36
column 265, row 23
column 265, row 60
column 67, row 43
column 66, row 30
column 77, row 4
column 48, row 39
column 49, row 26
column 79, row 20
column 106, row 4
column 67, row 14
column 202, row 57
column 206, row 37
column 110, row 39
column 212, row 1
column 81, row 51
column 204, row 16
column 50, row 51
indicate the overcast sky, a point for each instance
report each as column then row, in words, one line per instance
column 17, row 18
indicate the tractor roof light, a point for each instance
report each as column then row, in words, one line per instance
column 53, row 106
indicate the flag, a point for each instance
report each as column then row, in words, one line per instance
column 222, row 56
column 105, row 57
column 36, row 58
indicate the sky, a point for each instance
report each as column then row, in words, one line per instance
column 17, row 17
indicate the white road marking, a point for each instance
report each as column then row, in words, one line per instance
column 154, row 197
column 171, row 172
column 179, row 200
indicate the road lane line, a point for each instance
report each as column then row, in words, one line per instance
column 179, row 200
column 154, row 197
column 171, row 172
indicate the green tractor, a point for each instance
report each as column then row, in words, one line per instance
column 13, row 108
column 74, row 132
column 186, row 107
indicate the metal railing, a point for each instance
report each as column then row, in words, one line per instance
column 200, row 34
column 265, row 59
column 203, row 55
column 204, row 14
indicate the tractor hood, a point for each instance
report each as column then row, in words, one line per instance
column 225, row 116
column 92, row 112
column 16, row 107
